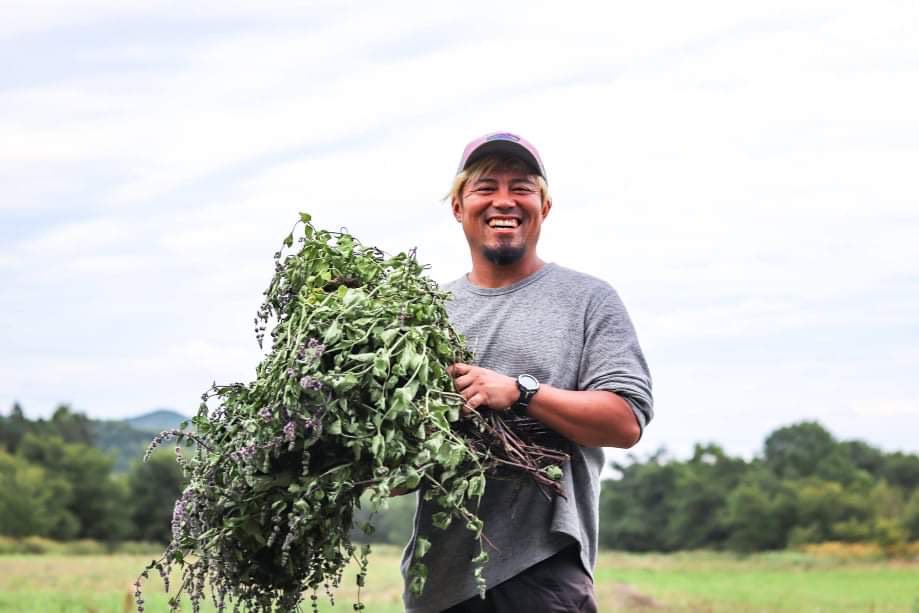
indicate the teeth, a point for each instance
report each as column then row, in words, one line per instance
column 503, row 223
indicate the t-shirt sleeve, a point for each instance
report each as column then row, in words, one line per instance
column 612, row 358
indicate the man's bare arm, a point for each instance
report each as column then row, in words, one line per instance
column 594, row 418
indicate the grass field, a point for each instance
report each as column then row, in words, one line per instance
column 696, row 581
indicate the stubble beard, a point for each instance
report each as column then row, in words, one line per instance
column 504, row 254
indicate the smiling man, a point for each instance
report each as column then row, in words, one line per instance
column 553, row 347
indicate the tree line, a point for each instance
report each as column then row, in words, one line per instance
column 803, row 487
column 55, row 483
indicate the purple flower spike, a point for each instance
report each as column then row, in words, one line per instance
column 244, row 454
column 290, row 431
column 312, row 346
column 309, row 383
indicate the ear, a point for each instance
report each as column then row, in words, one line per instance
column 546, row 207
column 457, row 207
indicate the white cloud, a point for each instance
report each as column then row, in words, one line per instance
column 880, row 408
column 739, row 172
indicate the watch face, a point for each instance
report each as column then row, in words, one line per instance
column 528, row 382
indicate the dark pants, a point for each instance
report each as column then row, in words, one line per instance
column 556, row 585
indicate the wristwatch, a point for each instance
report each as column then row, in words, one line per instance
column 528, row 386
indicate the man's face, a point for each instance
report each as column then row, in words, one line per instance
column 501, row 212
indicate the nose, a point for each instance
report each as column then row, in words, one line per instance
column 504, row 199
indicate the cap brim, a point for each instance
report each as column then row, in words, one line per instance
column 508, row 148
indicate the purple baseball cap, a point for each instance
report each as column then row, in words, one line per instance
column 502, row 142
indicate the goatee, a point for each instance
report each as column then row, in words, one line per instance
column 504, row 255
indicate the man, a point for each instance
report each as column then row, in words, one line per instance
column 554, row 345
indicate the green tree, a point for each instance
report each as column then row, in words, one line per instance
column 760, row 512
column 798, row 450
column 70, row 426
column 30, row 501
column 902, row 469
column 99, row 502
column 826, row 510
column 13, row 428
column 637, row 506
column 864, row 457
column 699, row 499
column 911, row 517
column 838, row 466
column 154, row 487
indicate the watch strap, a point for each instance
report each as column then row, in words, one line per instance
column 522, row 405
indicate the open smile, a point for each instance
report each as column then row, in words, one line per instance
column 503, row 223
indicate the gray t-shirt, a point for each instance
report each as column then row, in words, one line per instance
column 571, row 331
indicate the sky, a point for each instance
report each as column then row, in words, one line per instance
column 744, row 174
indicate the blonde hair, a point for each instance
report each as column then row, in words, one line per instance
column 489, row 164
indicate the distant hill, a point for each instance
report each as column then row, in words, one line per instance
column 127, row 439
column 157, row 421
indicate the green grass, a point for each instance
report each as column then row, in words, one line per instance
column 700, row 581
column 696, row 581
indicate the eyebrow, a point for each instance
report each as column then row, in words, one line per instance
column 527, row 181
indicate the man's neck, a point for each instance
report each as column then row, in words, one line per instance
column 487, row 274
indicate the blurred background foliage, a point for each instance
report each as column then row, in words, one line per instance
column 71, row 479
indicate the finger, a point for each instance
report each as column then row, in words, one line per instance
column 477, row 400
column 458, row 369
column 461, row 383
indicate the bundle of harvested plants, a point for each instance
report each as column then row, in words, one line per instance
column 352, row 398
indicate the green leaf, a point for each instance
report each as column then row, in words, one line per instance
column 401, row 400
column 418, row 573
column 451, row 454
column 354, row 296
column 413, row 478
column 422, row 546
column 476, row 486
column 381, row 364
column 434, row 443
column 376, row 445
column 345, row 244
column 346, row 383
column 408, row 357
column 332, row 334
column 423, row 372
column 387, row 336
column 475, row 525
column 442, row 520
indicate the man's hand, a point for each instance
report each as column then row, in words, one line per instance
column 481, row 387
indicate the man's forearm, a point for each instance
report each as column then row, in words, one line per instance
column 593, row 418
